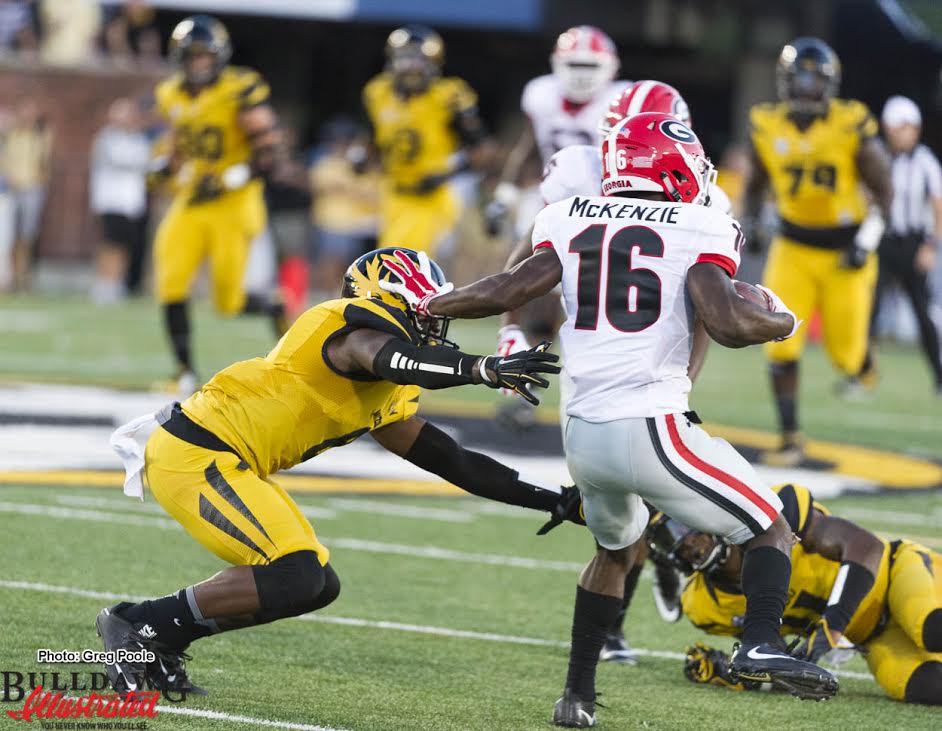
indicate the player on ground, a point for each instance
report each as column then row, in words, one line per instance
column 427, row 130
column 345, row 368
column 224, row 136
column 637, row 266
column 814, row 151
column 849, row 588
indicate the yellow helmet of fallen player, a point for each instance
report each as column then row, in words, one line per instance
column 363, row 276
column 414, row 56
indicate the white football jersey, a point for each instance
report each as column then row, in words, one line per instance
column 628, row 332
column 577, row 170
column 558, row 123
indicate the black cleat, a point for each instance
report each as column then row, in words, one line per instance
column 573, row 712
column 770, row 664
column 616, row 649
column 168, row 674
column 118, row 634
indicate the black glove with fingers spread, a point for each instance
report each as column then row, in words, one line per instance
column 568, row 508
column 519, row 371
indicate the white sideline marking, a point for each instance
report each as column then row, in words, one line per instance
column 395, row 510
column 231, row 718
column 379, row 624
column 350, row 544
column 894, row 517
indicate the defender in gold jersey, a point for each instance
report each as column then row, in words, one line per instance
column 427, row 130
column 344, row 369
column 224, row 137
column 824, row 164
column 848, row 588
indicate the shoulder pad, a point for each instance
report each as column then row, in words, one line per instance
column 363, row 312
column 797, row 504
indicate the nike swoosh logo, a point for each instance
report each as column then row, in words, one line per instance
column 177, row 622
column 755, row 655
column 131, row 686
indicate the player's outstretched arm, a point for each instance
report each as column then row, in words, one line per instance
column 371, row 352
column 859, row 552
column 531, row 278
column 729, row 319
column 430, row 448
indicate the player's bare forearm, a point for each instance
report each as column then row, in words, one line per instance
column 841, row 540
column 531, row 278
column 521, row 252
column 729, row 319
column 524, row 147
column 873, row 161
column 757, row 182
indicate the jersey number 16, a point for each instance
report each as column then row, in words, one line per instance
column 632, row 294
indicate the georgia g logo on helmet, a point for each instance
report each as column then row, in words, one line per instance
column 677, row 130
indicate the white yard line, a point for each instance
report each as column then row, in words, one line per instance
column 232, row 718
column 395, row 510
column 933, row 519
column 383, row 625
column 350, row 544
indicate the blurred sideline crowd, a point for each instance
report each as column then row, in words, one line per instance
column 324, row 203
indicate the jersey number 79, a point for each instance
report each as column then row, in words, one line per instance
column 632, row 295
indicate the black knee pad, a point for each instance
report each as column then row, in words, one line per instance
column 289, row 585
column 925, row 684
column 331, row 589
column 932, row 631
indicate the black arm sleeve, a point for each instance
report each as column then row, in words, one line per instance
column 428, row 366
column 476, row 473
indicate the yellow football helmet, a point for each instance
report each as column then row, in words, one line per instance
column 362, row 279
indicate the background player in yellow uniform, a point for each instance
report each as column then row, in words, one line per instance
column 817, row 153
column 345, row 368
column 223, row 140
column 847, row 586
column 427, row 130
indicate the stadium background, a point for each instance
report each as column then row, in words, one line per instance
column 451, row 607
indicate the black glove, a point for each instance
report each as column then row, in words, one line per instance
column 569, row 508
column 208, row 188
column 518, row 371
column 853, row 257
column 710, row 666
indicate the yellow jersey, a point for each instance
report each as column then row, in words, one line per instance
column 205, row 126
column 813, row 171
column 292, row 405
column 416, row 134
column 719, row 609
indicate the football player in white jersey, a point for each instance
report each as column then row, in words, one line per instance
column 638, row 265
column 563, row 108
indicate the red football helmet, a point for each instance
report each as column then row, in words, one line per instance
column 656, row 152
column 584, row 61
column 645, row 96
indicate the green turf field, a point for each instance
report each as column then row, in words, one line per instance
column 72, row 341
column 67, row 543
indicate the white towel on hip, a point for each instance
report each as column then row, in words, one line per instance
column 128, row 442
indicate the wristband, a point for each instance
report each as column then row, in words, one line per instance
column 852, row 584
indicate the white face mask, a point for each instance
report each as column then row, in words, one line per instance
column 583, row 75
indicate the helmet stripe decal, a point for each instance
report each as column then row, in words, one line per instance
column 638, row 97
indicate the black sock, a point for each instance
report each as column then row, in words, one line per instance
column 631, row 584
column 274, row 307
column 171, row 617
column 593, row 617
column 766, row 572
column 177, row 320
column 787, row 413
